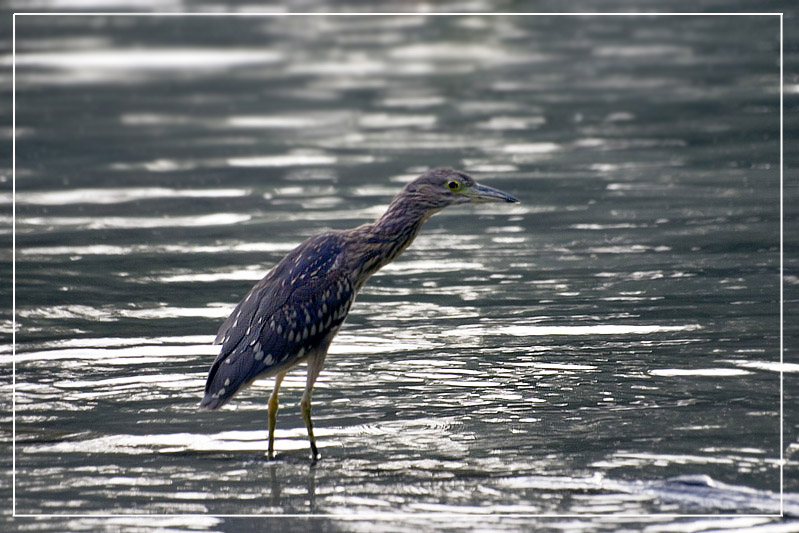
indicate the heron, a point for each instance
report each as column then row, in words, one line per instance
column 292, row 315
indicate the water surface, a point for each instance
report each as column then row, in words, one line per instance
column 610, row 346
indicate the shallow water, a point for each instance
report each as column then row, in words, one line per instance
column 608, row 346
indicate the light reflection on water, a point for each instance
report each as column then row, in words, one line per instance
column 147, row 59
column 117, row 195
column 96, row 223
column 581, row 352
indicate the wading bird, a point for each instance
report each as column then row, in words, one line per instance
column 293, row 313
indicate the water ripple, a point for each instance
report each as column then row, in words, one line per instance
column 117, row 195
column 593, row 349
column 115, row 60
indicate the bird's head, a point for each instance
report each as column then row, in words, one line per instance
column 441, row 187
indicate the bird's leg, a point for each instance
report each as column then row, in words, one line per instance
column 314, row 367
column 305, row 408
column 272, row 409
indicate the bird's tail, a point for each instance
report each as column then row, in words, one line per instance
column 211, row 403
column 234, row 370
column 224, row 381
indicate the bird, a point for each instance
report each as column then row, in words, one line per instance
column 292, row 315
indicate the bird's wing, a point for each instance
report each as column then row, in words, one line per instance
column 287, row 314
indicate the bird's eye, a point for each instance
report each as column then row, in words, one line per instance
column 454, row 186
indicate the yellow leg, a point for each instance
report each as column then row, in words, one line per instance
column 315, row 363
column 272, row 409
column 305, row 409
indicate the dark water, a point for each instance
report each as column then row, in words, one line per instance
column 610, row 346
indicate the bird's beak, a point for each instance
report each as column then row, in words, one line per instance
column 480, row 194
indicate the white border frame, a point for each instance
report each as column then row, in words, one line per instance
column 372, row 515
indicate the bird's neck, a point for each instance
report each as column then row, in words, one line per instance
column 403, row 219
column 391, row 234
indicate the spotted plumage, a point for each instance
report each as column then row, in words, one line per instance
column 287, row 322
column 293, row 313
